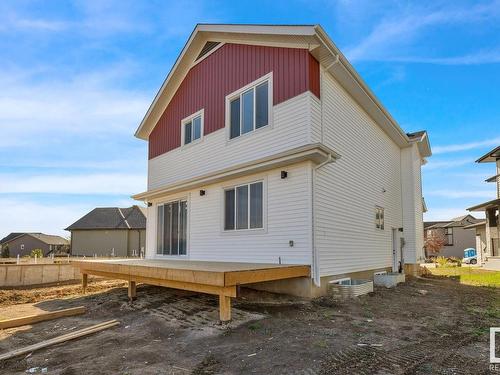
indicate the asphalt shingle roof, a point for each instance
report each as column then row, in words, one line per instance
column 49, row 239
column 111, row 218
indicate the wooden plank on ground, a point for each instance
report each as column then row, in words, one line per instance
column 49, row 315
column 58, row 340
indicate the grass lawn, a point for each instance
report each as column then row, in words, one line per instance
column 469, row 275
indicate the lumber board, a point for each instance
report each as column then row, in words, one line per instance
column 57, row 340
column 35, row 318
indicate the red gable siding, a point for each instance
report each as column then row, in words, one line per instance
column 226, row 70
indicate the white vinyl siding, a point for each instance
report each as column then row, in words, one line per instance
column 347, row 191
column 290, row 129
column 287, row 218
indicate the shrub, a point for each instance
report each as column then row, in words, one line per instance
column 455, row 262
column 36, row 252
column 441, row 261
column 5, row 251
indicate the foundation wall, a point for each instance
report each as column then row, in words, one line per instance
column 304, row 286
column 35, row 274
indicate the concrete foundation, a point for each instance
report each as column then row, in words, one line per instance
column 35, row 274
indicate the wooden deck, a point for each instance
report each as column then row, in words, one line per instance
column 219, row 278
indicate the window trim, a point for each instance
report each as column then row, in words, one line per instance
column 238, row 93
column 248, row 230
column 191, row 117
column 339, row 281
column 164, row 202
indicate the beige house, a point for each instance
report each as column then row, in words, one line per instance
column 489, row 233
column 457, row 236
column 109, row 231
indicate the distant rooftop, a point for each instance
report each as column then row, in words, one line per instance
column 111, row 218
column 490, row 157
column 49, row 239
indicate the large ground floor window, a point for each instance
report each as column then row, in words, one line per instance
column 172, row 228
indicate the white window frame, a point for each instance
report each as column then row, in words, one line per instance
column 263, row 229
column 161, row 203
column 22, row 246
column 339, row 281
column 238, row 93
column 379, row 223
column 190, row 118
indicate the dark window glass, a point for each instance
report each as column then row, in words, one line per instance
column 175, row 229
column 197, row 128
column 261, row 105
column 183, row 228
column 167, row 229
column 187, row 133
column 229, row 210
column 159, row 243
column 242, row 207
column 256, row 205
column 247, row 112
column 235, row 118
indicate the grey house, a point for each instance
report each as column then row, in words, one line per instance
column 23, row 243
column 109, row 231
column 457, row 236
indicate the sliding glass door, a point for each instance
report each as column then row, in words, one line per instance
column 172, row 228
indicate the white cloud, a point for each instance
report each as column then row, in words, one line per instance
column 90, row 184
column 389, row 40
column 465, row 146
column 446, row 164
column 458, row 194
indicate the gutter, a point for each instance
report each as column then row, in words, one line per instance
column 315, row 256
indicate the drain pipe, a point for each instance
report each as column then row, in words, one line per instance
column 315, row 255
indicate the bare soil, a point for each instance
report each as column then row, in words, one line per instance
column 426, row 326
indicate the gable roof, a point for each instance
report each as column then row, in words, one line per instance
column 112, row 218
column 490, row 156
column 49, row 239
column 311, row 37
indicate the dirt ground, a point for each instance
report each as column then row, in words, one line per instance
column 425, row 326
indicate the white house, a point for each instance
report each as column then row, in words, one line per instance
column 266, row 146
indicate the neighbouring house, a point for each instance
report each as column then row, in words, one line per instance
column 266, row 146
column 109, row 231
column 456, row 234
column 22, row 244
column 488, row 232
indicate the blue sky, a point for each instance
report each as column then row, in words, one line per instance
column 76, row 78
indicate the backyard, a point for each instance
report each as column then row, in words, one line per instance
column 432, row 325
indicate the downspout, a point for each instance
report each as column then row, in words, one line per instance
column 315, row 255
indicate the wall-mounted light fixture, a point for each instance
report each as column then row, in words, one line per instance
column 284, row 174
column 150, row 204
column 202, row 193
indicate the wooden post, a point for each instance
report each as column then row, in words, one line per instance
column 132, row 290
column 224, row 308
column 84, row 282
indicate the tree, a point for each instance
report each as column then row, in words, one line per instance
column 36, row 252
column 5, row 251
column 435, row 241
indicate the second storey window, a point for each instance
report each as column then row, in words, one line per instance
column 449, row 236
column 243, row 207
column 249, row 109
column 379, row 218
column 192, row 128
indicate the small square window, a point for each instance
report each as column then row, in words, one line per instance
column 192, row 128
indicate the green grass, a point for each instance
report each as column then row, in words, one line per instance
column 469, row 275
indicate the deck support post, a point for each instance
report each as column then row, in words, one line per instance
column 84, row 282
column 132, row 290
column 224, row 308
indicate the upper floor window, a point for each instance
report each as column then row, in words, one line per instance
column 449, row 236
column 243, row 207
column 379, row 218
column 249, row 107
column 192, row 128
